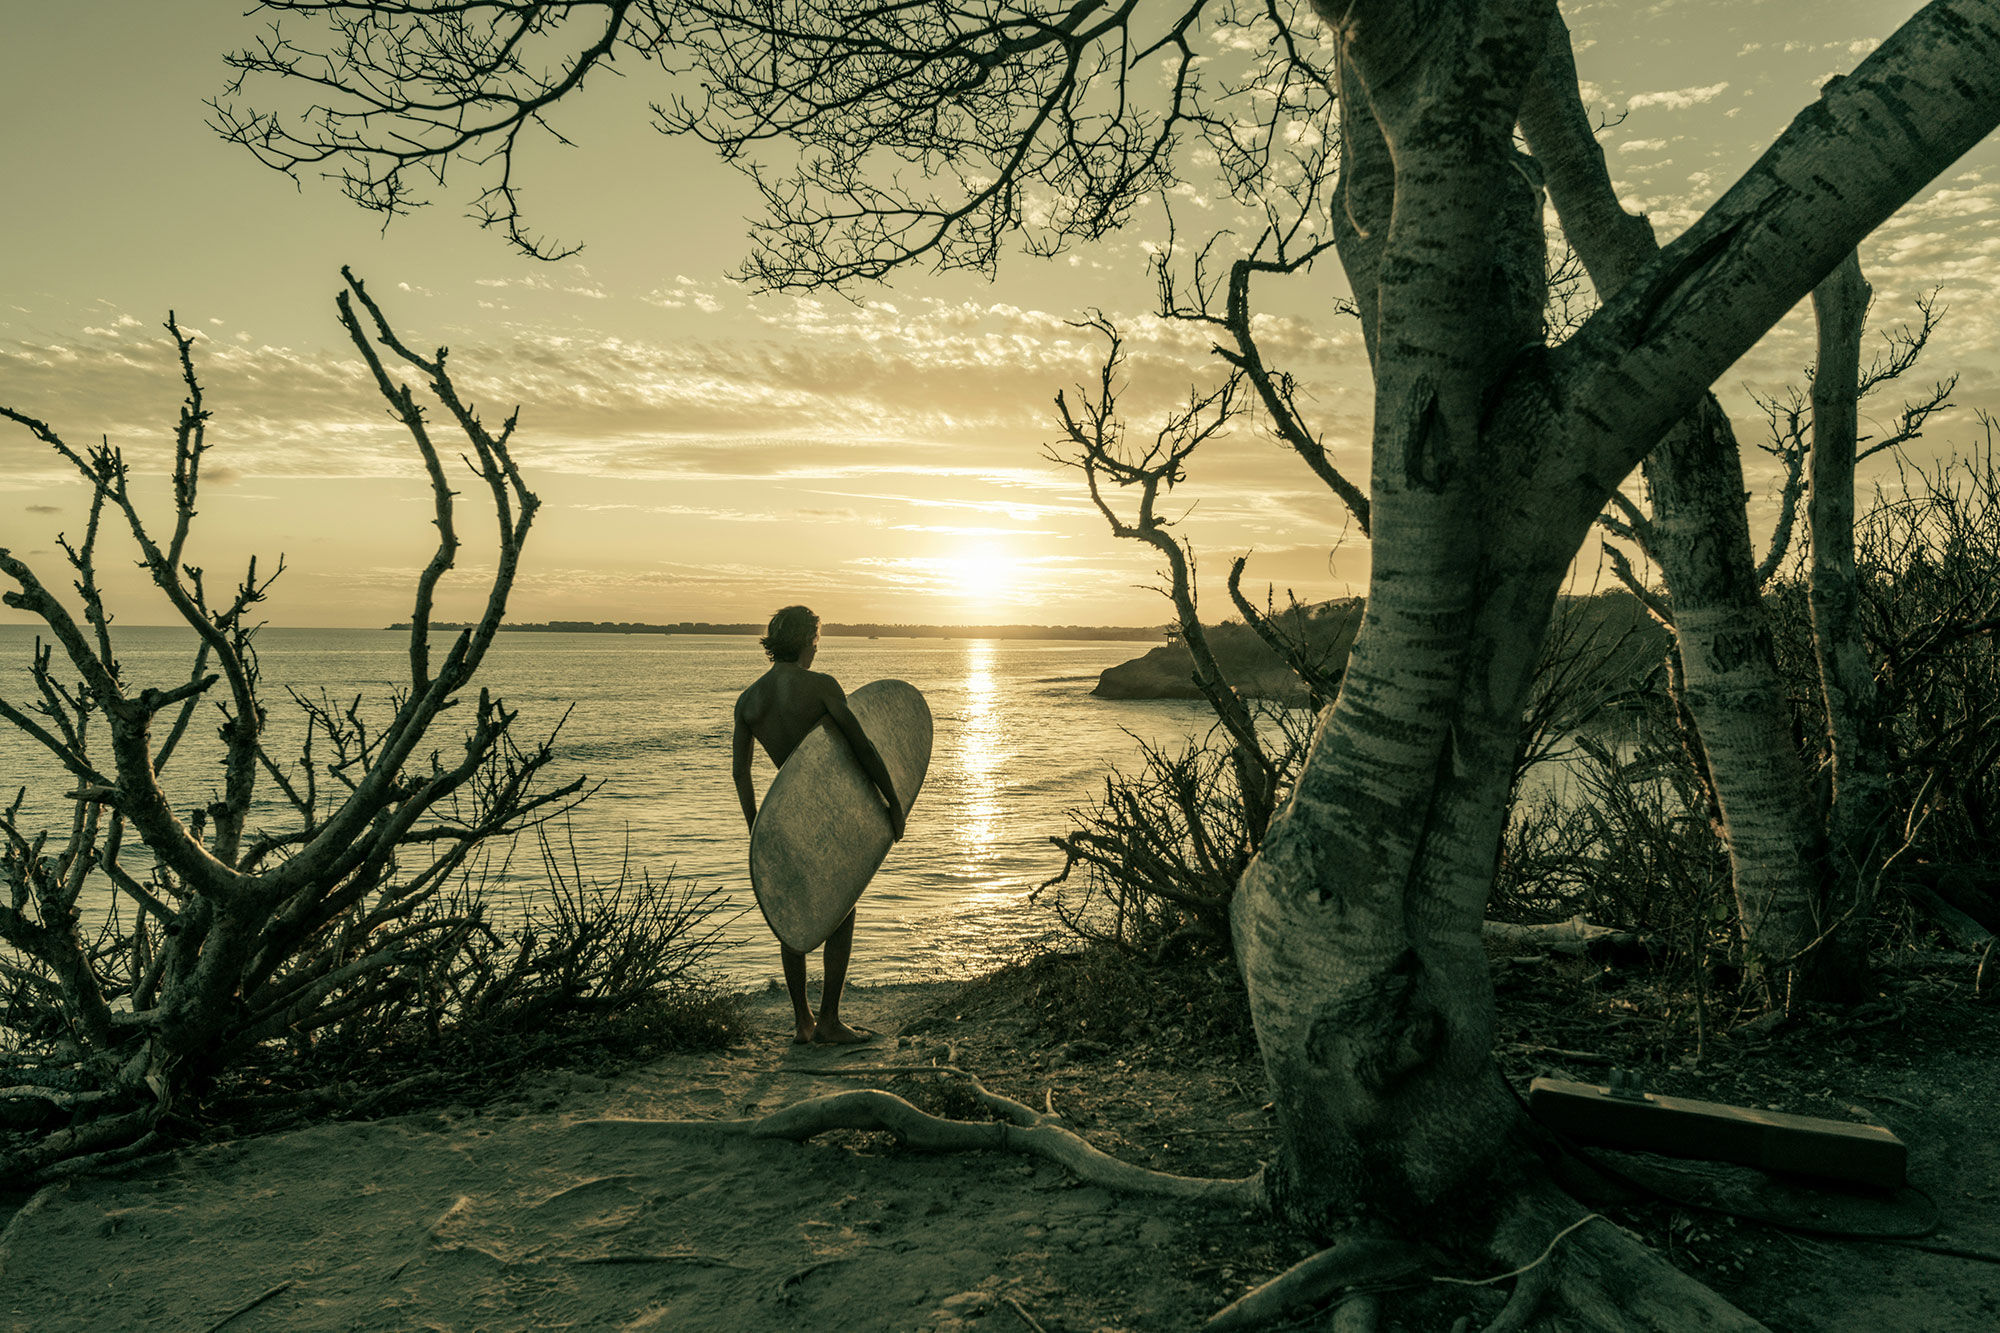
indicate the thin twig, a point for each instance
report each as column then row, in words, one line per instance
column 1026, row 1318
column 802, row 1274
column 246, row 1309
column 1537, row 1262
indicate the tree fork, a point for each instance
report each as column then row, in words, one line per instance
column 1728, row 680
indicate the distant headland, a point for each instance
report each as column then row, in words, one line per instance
column 1141, row 632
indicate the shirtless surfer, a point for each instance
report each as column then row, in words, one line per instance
column 779, row 710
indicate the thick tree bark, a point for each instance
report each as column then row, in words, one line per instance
column 1855, row 733
column 1358, row 924
column 1733, row 692
column 1700, row 536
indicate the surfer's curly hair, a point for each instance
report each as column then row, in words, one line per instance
column 792, row 629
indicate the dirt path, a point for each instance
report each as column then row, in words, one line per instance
column 531, row 1217
column 526, row 1215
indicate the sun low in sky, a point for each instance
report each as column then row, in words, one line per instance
column 986, row 577
column 706, row 452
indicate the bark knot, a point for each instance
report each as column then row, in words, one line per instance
column 1426, row 440
column 1382, row 1032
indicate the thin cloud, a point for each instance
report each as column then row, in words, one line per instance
column 727, row 515
column 1021, row 511
column 949, row 530
column 875, row 390
column 1677, row 100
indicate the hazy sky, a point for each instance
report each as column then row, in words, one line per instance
column 706, row 453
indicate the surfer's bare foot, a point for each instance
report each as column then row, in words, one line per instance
column 833, row 1032
column 805, row 1032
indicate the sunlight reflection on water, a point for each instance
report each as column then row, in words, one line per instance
column 979, row 757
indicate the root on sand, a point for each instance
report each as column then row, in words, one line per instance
column 1594, row 1273
column 1023, row 1129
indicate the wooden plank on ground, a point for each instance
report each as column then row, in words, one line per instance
column 1684, row 1127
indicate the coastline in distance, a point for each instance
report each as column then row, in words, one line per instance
column 871, row 631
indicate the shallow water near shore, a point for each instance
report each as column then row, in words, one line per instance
column 1019, row 741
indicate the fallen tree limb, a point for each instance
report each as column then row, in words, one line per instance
column 873, row 1109
column 92, row 1142
column 1019, row 1113
column 146, row 1145
column 57, row 1096
column 252, row 1304
column 1574, row 936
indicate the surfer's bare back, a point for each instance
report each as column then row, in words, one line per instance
column 779, row 710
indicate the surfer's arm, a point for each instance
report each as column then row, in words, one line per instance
column 740, row 767
column 871, row 760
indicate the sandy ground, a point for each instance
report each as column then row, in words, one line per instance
column 526, row 1215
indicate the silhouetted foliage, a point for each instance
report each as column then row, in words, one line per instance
column 343, row 902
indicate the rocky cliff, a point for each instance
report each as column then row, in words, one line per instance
column 1167, row 672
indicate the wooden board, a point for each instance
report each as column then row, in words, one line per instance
column 1684, row 1127
column 822, row 831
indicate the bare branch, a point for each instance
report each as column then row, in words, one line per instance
column 1095, row 435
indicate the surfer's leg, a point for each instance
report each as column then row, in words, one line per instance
column 795, row 982
column 839, row 948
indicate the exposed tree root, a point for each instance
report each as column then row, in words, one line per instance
column 1359, row 1313
column 1025, row 1130
column 1598, row 1276
column 1359, row 1261
column 146, row 1145
column 1575, row 1266
column 1529, row 1294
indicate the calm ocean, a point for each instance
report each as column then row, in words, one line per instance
column 1019, row 742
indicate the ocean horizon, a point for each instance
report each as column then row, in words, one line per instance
column 1019, row 742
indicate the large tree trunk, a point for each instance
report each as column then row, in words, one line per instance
column 1700, row 536
column 1855, row 733
column 1733, row 691
column 1358, row 924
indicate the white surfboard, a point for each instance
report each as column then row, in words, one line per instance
column 822, row 830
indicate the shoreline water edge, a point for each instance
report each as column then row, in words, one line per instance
column 1020, row 743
